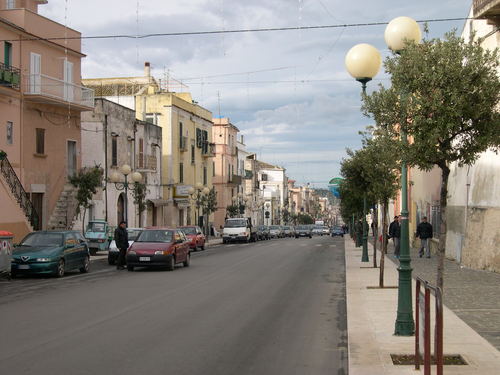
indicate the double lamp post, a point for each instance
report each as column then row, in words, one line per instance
column 363, row 63
column 125, row 185
column 199, row 196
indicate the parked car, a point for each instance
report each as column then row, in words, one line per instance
column 238, row 229
column 303, row 231
column 337, row 231
column 113, row 250
column 288, row 231
column 159, row 247
column 195, row 237
column 317, row 230
column 326, row 230
column 97, row 236
column 276, row 231
column 50, row 253
column 263, row 232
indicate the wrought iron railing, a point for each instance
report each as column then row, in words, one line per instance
column 18, row 191
column 481, row 6
column 10, row 76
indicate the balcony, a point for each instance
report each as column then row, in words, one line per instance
column 208, row 151
column 235, row 179
column 183, row 141
column 10, row 76
column 489, row 9
column 49, row 90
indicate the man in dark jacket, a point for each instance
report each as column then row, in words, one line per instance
column 121, row 240
column 395, row 234
column 424, row 232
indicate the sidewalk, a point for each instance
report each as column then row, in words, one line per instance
column 371, row 315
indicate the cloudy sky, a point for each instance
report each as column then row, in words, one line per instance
column 287, row 91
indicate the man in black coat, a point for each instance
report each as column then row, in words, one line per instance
column 424, row 232
column 395, row 234
column 121, row 241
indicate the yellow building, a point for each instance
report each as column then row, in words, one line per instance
column 187, row 147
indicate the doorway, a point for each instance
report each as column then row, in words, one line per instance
column 71, row 167
column 37, row 200
column 120, row 209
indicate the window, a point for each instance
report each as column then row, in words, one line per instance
column 152, row 118
column 114, row 152
column 181, row 172
column 68, row 81
column 10, row 4
column 204, row 175
column 141, row 153
column 10, row 132
column 40, row 141
column 193, row 157
column 7, row 60
column 35, row 73
column 181, row 145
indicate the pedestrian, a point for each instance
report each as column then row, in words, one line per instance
column 395, row 234
column 424, row 232
column 121, row 240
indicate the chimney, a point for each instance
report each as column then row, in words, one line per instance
column 147, row 69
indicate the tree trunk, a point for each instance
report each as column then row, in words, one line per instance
column 83, row 221
column 445, row 172
column 375, row 234
column 384, row 244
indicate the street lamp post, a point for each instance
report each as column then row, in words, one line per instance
column 398, row 32
column 363, row 63
column 125, row 185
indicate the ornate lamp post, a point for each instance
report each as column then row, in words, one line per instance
column 363, row 63
column 198, row 196
column 125, row 185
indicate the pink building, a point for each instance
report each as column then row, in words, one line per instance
column 40, row 104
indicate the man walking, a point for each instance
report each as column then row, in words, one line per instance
column 121, row 240
column 424, row 232
column 395, row 234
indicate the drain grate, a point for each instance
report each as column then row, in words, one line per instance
column 409, row 359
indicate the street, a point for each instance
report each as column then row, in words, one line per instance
column 271, row 307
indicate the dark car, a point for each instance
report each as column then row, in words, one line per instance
column 303, row 231
column 50, row 253
column 263, row 232
column 159, row 247
column 337, row 231
column 195, row 236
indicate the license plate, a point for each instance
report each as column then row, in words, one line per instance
column 144, row 259
column 23, row 267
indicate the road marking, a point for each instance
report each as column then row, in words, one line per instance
column 318, row 245
column 333, row 245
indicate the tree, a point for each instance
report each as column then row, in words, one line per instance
column 139, row 192
column 233, row 210
column 443, row 94
column 209, row 204
column 304, row 219
column 86, row 181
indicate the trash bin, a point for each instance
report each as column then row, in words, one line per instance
column 5, row 252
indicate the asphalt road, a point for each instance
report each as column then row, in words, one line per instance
column 273, row 307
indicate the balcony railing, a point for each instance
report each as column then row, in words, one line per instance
column 208, row 151
column 10, row 76
column 486, row 8
column 235, row 179
column 58, row 90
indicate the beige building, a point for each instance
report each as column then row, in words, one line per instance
column 187, row 148
column 40, row 104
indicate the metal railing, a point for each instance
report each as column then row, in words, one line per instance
column 423, row 301
column 208, row 150
column 43, row 85
column 10, row 76
column 19, row 193
column 480, row 6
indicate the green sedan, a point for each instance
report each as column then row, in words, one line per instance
column 50, row 253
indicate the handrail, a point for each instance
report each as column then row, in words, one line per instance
column 438, row 336
column 18, row 191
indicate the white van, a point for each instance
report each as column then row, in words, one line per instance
column 238, row 229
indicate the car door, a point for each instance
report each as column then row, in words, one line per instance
column 70, row 251
column 182, row 249
column 200, row 237
column 82, row 248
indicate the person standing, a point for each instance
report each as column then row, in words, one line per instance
column 424, row 232
column 395, row 234
column 121, row 240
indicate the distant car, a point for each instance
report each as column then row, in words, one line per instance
column 303, row 231
column 288, row 231
column 275, row 231
column 50, row 253
column 326, row 230
column 263, row 232
column 195, row 236
column 337, row 231
column 159, row 247
column 317, row 230
column 113, row 250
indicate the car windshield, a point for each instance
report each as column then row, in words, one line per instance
column 274, row 227
column 155, row 236
column 43, row 239
column 96, row 227
column 286, row 228
column 261, row 227
column 189, row 230
column 302, row 227
column 133, row 234
column 236, row 223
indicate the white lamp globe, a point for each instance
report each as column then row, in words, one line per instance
column 363, row 61
column 114, row 176
column 199, row 185
column 399, row 30
column 125, row 169
column 136, row 177
column 206, row 190
column 191, row 190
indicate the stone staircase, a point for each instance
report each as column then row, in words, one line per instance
column 64, row 213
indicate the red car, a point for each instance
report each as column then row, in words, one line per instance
column 159, row 247
column 195, row 236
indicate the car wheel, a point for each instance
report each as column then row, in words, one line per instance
column 130, row 268
column 13, row 274
column 187, row 262
column 224, row 241
column 86, row 265
column 60, row 268
column 171, row 264
column 310, row 236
